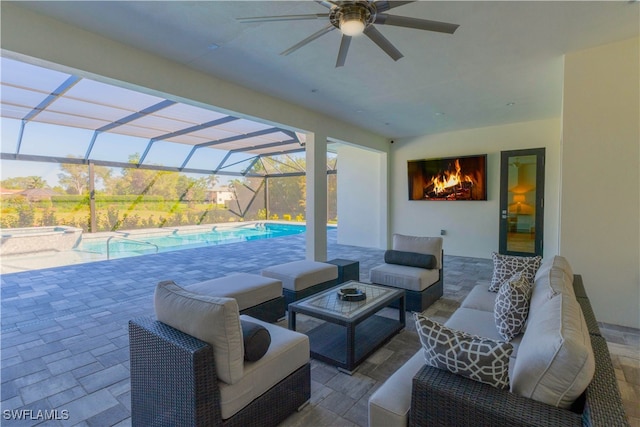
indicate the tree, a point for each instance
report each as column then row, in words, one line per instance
column 74, row 178
column 24, row 182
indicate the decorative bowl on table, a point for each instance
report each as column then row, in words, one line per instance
column 351, row 294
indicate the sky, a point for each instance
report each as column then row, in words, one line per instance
column 63, row 141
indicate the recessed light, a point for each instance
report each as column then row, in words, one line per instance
column 314, row 90
column 510, row 104
column 213, row 46
column 438, row 113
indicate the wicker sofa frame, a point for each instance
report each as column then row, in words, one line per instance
column 440, row 398
column 174, row 383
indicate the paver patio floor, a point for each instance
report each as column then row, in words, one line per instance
column 64, row 335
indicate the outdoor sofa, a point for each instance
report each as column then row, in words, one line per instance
column 560, row 372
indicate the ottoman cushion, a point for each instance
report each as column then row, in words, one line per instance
column 247, row 289
column 299, row 275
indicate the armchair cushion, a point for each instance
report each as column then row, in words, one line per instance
column 214, row 320
column 476, row 358
column 411, row 259
column 288, row 352
column 401, row 276
column 421, row 245
column 256, row 339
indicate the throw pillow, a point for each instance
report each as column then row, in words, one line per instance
column 476, row 358
column 505, row 266
column 256, row 340
column 512, row 306
column 410, row 259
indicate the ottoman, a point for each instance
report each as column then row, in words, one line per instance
column 303, row 278
column 257, row 296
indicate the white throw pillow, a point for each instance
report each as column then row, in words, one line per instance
column 476, row 358
column 512, row 306
column 214, row 320
column 505, row 266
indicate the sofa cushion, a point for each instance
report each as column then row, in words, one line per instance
column 555, row 362
column 389, row 405
column 404, row 277
column 554, row 276
column 214, row 320
column 481, row 324
column 421, row 245
column 411, row 259
column 289, row 351
column 477, row 358
column 505, row 266
column 256, row 340
column 512, row 306
column 480, row 298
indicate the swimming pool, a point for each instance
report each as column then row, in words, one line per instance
column 134, row 243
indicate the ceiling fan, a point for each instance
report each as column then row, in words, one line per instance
column 357, row 17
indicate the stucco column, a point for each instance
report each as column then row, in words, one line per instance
column 316, row 159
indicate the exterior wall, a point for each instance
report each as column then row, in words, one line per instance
column 361, row 197
column 600, row 210
column 472, row 227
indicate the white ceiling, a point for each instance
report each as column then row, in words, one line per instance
column 503, row 64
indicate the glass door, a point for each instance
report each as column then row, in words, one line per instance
column 522, row 202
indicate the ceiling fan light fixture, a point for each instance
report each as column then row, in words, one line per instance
column 353, row 19
column 351, row 26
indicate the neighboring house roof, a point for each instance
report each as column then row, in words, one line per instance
column 7, row 191
column 38, row 193
column 221, row 189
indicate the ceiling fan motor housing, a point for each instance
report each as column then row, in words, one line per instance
column 362, row 11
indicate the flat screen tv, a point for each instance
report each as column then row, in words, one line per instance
column 448, row 178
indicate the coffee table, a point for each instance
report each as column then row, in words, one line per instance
column 352, row 331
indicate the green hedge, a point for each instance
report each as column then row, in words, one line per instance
column 106, row 198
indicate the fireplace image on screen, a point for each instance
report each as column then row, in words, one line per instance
column 454, row 178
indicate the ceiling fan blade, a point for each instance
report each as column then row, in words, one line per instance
column 383, row 6
column 283, row 18
column 419, row 24
column 309, row 39
column 344, row 48
column 382, row 42
column 328, row 4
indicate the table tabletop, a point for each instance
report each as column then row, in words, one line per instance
column 328, row 303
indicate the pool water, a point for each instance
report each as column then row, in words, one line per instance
column 136, row 244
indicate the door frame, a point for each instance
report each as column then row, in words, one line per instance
column 504, row 200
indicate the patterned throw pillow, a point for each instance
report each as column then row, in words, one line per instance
column 512, row 306
column 505, row 266
column 476, row 358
